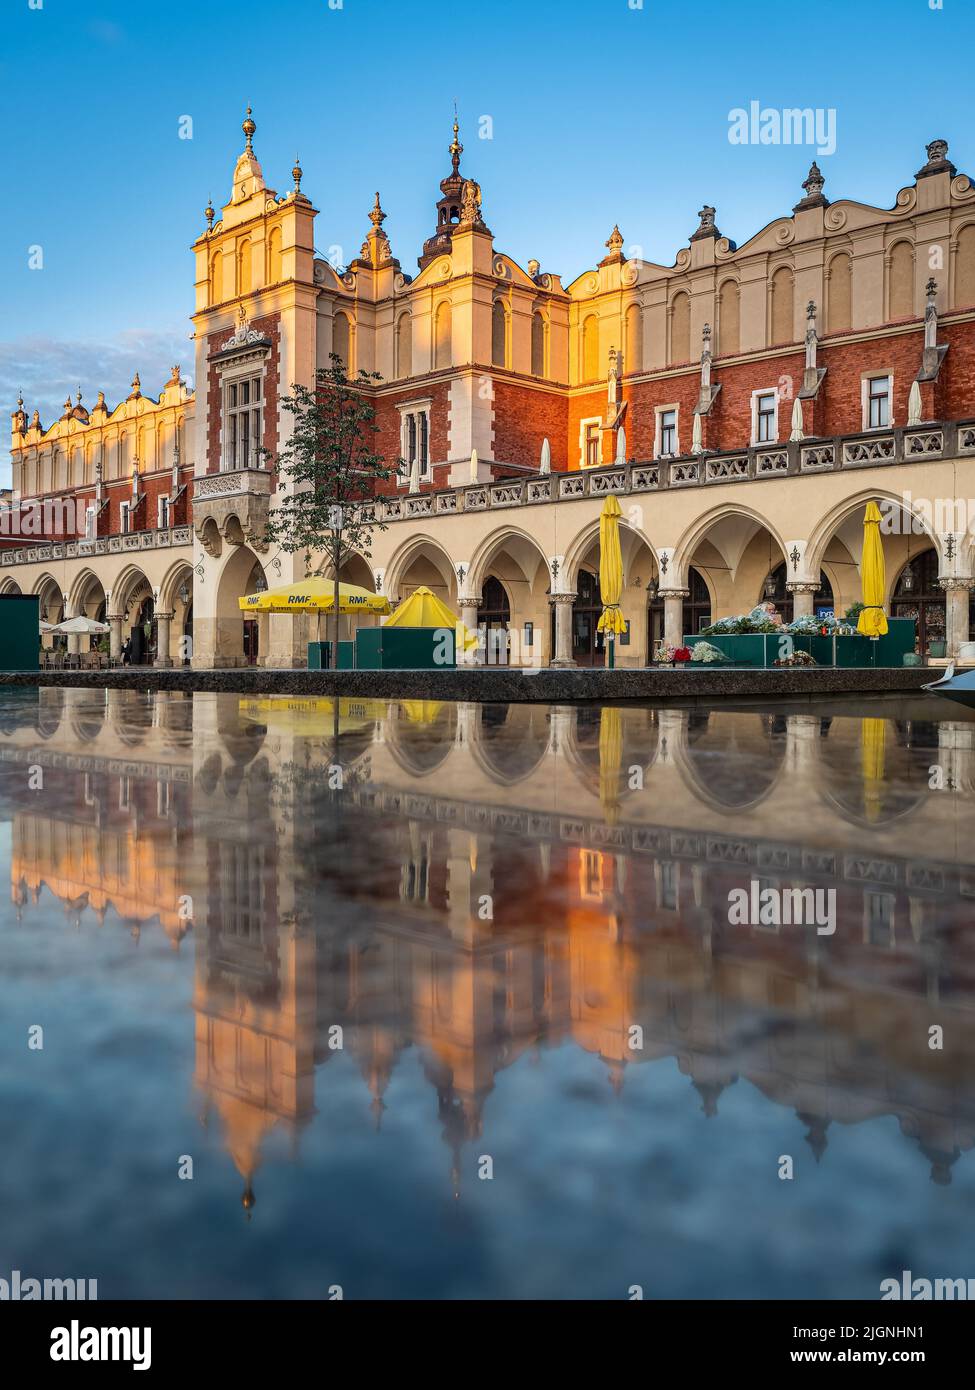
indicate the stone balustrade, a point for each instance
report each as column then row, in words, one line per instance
column 792, row 458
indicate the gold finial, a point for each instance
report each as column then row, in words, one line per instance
column 456, row 148
column 249, row 128
column 79, row 395
column 209, row 214
column 20, row 399
column 377, row 217
column 615, row 242
column 296, row 174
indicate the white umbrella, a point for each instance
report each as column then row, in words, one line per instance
column 797, row 420
column 81, row 627
column 474, row 474
column 46, row 627
column 545, row 466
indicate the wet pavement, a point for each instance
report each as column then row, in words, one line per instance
column 438, row 1000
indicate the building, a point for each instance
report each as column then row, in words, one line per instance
column 745, row 402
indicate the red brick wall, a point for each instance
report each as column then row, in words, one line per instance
column 387, row 441
column 270, row 327
column 523, row 418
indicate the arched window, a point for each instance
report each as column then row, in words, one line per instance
column 404, row 345
column 538, row 344
column 341, row 339
column 729, row 322
column 274, row 270
column 216, row 278
column 901, row 282
column 443, row 349
column 499, row 334
column 917, row 595
column 633, row 340
column 965, row 268
column 590, row 349
column 244, row 267
column 839, row 289
column 680, row 328
column 781, row 318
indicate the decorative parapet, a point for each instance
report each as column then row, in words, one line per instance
column 104, row 545
column 791, row 459
column 231, row 484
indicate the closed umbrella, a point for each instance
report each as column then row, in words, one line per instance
column 611, row 620
column 872, row 621
column 873, row 758
column 610, row 761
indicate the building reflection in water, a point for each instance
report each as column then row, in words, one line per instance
column 492, row 880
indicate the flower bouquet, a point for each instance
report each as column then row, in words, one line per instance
column 797, row 659
column 707, row 654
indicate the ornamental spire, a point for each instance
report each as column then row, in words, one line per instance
column 249, row 126
column 456, row 148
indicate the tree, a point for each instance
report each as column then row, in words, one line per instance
column 331, row 469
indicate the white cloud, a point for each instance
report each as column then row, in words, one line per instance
column 47, row 370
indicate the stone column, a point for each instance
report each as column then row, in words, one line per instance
column 802, row 598
column 163, row 630
column 563, row 629
column 468, row 606
column 74, row 640
column 115, row 636
column 957, row 619
column 674, row 614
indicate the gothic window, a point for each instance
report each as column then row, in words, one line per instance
column 633, row 349
column 780, row 310
column 244, row 267
column 538, row 344
column 590, row 349
column 839, row 317
column 499, row 335
column 729, row 329
column 274, row 271
column 404, row 346
column 680, row 329
column 341, row 340
column 965, row 268
column 901, row 282
column 443, row 352
column 216, row 280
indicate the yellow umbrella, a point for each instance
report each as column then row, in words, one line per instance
column 872, row 621
column 610, row 761
column 422, row 711
column 611, row 620
column 314, row 595
column 873, row 757
column 310, row 718
column 424, row 609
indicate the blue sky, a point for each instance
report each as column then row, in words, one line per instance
column 601, row 113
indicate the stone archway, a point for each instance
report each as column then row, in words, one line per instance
column 581, row 576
